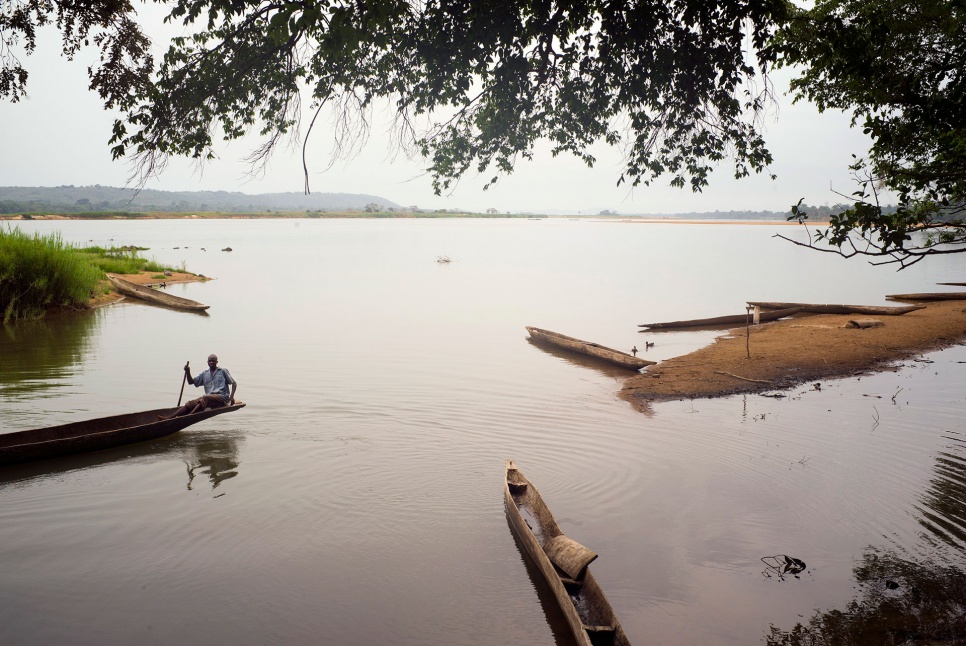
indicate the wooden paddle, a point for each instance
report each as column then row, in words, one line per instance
column 184, row 380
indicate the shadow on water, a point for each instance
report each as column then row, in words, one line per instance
column 899, row 602
column 944, row 504
column 555, row 616
column 584, row 361
column 214, row 454
column 36, row 354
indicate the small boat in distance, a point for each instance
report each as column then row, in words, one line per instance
column 817, row 308
column 154, row 296
column 563, row 563
column 596, row 350
column 929, row 296
column 96, row 434
column 735, row 319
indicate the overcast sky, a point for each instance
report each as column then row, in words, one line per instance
column 59, row 135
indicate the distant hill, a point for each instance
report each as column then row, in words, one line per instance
column 78, row 199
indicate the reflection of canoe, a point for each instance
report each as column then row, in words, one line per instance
column 96, row 434
column 590, row 349
column 735, row 319
column 934, row 296
column 814, row 308
column 562, row 562
column 154, row 296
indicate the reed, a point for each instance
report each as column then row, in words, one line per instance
column 121, row 260
column 41, row 272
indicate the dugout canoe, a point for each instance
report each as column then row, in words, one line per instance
column 155, row 296
column 735, row 319
column 97, row 434
column 603, row 353
column 816, row 308
column 932, row 296
column 562, row 563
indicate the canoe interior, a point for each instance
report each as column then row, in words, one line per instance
column 96, row 434
column 589, row 615
column 154, row 296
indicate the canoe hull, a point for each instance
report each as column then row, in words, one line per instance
column 154, row 296
column 736, row 319
column 931, row 296
column 598, row 616
column 816, row 308
column 97, row 434
column 598, row 351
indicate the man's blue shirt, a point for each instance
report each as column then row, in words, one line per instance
column 215, row 383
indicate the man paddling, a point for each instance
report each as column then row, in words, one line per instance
column 216, row 381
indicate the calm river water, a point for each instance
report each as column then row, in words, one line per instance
column 357, row 499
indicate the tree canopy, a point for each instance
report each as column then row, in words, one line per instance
column 899, row 66
column 680, row 86
column 475, row 83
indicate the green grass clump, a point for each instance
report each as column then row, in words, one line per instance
column 38, row 273
column 121, row 260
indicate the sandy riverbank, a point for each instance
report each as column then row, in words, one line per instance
column 796, row 351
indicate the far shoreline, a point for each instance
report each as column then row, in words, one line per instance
column 355, row 215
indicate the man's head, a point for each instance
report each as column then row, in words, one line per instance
column 212, row 361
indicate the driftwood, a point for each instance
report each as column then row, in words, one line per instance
column 816, row 308
column 929, row 296
column 864, row 323
column 730, row 374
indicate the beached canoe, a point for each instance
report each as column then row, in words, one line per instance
column 815, row 308
column 562, row 562
column 734, row 319
column 155, row 296
column 933, row 296
column 97, row 434
column 610, row 355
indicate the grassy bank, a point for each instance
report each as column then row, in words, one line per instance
column 39, row 273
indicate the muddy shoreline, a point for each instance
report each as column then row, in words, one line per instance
column 794, row 351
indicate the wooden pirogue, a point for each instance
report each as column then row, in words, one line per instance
column 96, row 434
column 154, row 296
column 733, row 319
column 820, row 308
column 929, row 296
column 610, row 355
column 562, row 562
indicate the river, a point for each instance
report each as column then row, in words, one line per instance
column 358, row 498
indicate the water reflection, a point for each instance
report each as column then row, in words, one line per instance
column 900, row 602
column 212, row 453
column 39, row 355
column 944, row 503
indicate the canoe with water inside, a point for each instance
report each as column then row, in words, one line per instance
column 562, row 562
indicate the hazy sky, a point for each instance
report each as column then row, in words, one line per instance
column 59, row 135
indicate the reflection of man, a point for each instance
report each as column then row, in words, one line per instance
column 216, row 381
